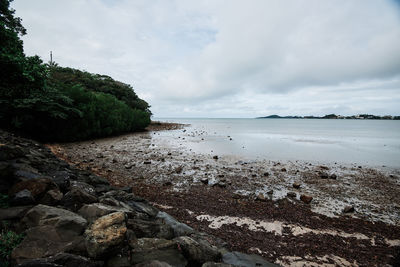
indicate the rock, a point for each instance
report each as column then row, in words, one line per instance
column 22, row 198
column 323, row 175
column 245, row 260
column 197, row 252
column 122, row 195
column 52, row 197
column 333, row 176
column 215, row 157
column 260, row 197
column 266, row 174
column 348, row 209
column 61, row 259
column 76, row 198
column 92, row 212
column 105, row 235
column 216, row 264
column 8, row 152
column 306, row 198
column 59, row 218
column 154, row 229
column 119, row 261
column 291, row 194
column 147, row 162
column 14, row 213
column 83, row 186
column 38, row 263
column 296, row 185
column 71, row 260
column 51, row 231
column 180, row 229
column 153, row 264
column 95, row 180
column 38, row 187
column 204, row 180
column 142, row 210
column 62, row 179
column 283, row 170
column 149, row 249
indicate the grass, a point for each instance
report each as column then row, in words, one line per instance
column 8, row 241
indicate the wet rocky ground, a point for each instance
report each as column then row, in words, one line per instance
column 291, row 213
column 64, row 216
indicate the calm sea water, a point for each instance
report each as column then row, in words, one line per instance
column 364, row 142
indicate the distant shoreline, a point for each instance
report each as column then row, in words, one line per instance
column 335, row 117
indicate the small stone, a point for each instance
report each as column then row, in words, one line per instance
column 333, row 177
column 22, row 198
column 266, row 174
column 147, row 162
column 270, row 192
column 291, row 194
column 323, row 175
column 204, row 180
column 306, row 199
column 296, row 185
column 261, row 197
column 348, row 209
column 114, row 160
column 283, row 170
column 215, row 157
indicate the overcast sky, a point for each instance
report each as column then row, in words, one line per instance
column 231, row 58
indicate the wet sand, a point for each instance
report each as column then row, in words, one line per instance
column 246, row 203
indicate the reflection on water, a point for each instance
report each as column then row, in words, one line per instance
column 368, row 142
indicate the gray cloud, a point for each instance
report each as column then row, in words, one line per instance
column 236, row 58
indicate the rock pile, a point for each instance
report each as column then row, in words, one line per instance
column 74, row 218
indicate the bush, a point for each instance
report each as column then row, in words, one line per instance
column 8, row 241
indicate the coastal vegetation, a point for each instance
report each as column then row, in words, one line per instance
column 51, row 103
column 334, row 116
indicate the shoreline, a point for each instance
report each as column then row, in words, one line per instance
column 175, row 181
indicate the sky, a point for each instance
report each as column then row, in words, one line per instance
column 230, row 59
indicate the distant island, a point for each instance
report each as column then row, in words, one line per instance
column 334, row 116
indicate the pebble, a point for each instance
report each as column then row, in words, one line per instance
column 215, row 157
column 306, row 198
column 291, row 194
column 348, row 209
column 296, row 185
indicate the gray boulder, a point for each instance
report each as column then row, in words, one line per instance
column 246, row 260
column 145, row 250
column 197, row 252
column 92, row 212
column 76, row 198
column 14, row 212
column 155, row 228
column 51, row 231
column 22, row 198
column 180, row 229
column 153, row 264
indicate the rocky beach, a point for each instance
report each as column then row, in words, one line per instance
column 291, row 213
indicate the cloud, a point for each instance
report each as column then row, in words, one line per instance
column 236, row 58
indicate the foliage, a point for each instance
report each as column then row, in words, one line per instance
column 54, row 103
column 8, row 241
column 3, row 201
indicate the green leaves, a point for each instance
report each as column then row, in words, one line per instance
column 60, row 104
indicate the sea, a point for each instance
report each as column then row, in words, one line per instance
column 371, row 143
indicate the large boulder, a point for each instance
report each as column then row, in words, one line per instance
column 153, row 264
column 154, row 228
column 92, row 212
column 38, row 187
column 14, row 213
column 59, row 218
column 180, row 229
column 105, row 235
column 246, row 260
column 76, row 198
column 62, row 259
column 50, row 231
column 197, row 252
column 145, row 250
